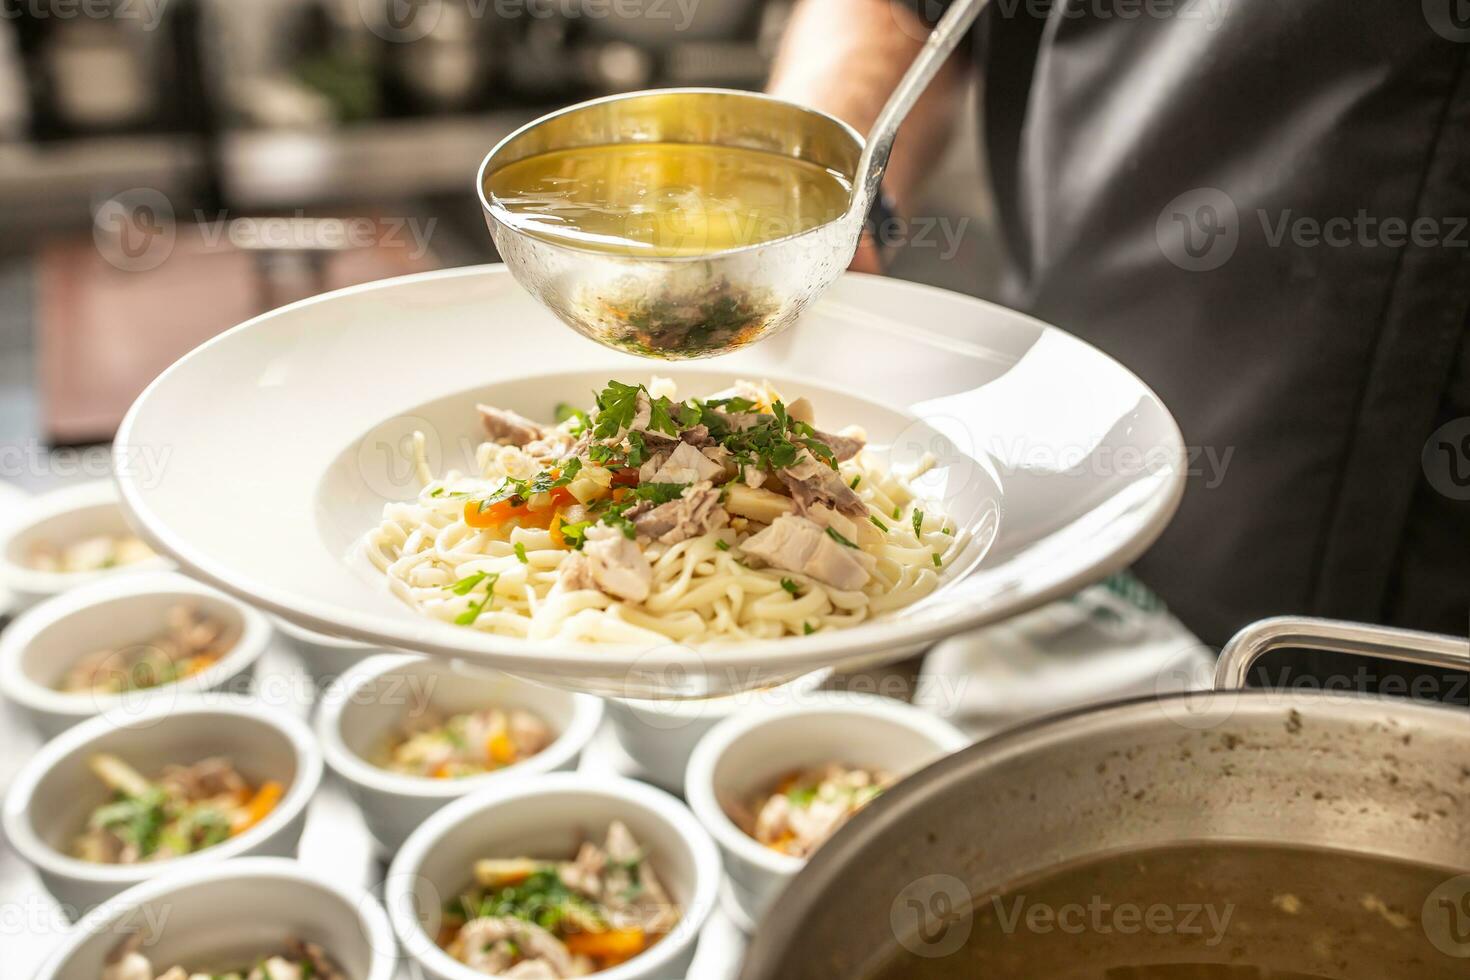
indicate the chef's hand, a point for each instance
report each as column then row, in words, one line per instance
column 867, row 258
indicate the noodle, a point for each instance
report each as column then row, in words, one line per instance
column 703, row 589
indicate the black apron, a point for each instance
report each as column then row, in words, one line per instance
column 1260, row 206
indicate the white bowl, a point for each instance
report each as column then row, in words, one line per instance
column 230, row 911
column 548, row 816
column 746, row 754
column 1049, row 453
column 39, row 647
column 326, row 658
column 361, row 713
column 54, row 793
column 61, row 515
column 661, row 735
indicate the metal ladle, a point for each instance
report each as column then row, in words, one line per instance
column 689, row 306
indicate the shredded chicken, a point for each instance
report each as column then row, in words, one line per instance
column 553, row 919
column 807, row 807
column 506, row 427
column 697, row 512
column 686, row 464
column 192, row 642
column 298, row 961
column 797, row 545
column 812, row 482
column 609, row 562
column 91, row 554
column 467, row 744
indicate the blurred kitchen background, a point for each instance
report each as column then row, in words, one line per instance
column 169, row 168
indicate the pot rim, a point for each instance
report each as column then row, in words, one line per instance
column 904, row 801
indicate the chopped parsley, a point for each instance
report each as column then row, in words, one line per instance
column 722, row 544
column 468, row 617
column 576, row 534
column 801, row 796
column 467, row 584
column 617, row 406
column 808, row 629
column 837, row 536
column 657, row 493
column 521, row 554
column 789, row 586
column 566, row 412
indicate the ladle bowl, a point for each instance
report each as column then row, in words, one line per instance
column 682, row 306
column 712, row 302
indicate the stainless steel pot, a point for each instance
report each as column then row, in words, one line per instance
column 1320, row 768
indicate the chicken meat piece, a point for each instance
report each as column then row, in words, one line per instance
column 508, row 428
column 697, row 512
column 528, row 733
column 610, row 563
column 843, row 447
column 490, row 944
column 796, row 544
column 685, row 464
column 812, row 482
column 632, row 894
column 584, row 875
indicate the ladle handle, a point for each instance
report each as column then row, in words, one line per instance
column 1335, row 636
column 945, row 37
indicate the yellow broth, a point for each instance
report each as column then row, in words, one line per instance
column 664, row 199
column 1203, row 912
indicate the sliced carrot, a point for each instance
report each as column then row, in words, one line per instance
column 441, row 771
column 260, row 806
column 608, row 948
column 502, row 511
column 558, row 539
column 500, row 749
column 203, row 662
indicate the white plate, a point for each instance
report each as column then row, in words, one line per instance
column 285, row 437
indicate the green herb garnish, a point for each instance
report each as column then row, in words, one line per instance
column 918, row 524
column 836, row 536
column 521, row 554
column 789, row 586
column 878, row 523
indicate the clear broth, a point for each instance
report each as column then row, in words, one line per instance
column 1255, row 912
column 664, row 199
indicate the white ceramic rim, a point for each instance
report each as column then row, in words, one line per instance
column 304, row 635
column 699, row 788
column 697, row 708
column 374, row 921
column 586, row 717
column 43, row 507
column 254, row 639
column 800, row 653
column 40, row 854
column 708, row 871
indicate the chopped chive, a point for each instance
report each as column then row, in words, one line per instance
column 788, row 585
column 808, row 628
column 947, row 530
column 897, row 513
column 855, row 481
column 877, row 523
column 521, row 554
column 835, row 536
column 918, row 523
column 437, row 492
column 465, row 585
column 471, row 614
column 938, row 562
column 722, row 544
